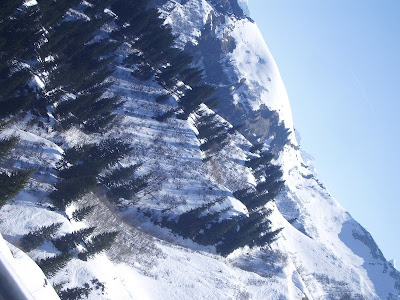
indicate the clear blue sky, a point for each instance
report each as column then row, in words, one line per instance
column 340, row 62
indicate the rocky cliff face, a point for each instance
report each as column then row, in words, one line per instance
column 172, row 229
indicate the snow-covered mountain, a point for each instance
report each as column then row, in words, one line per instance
column 321, row 252
column 249, row 81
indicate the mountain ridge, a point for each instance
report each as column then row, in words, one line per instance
column 289, row 207
column 320, row 251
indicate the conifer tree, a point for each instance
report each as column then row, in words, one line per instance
column 69, row 190
column 263, row 160
column 19, row 32
column 51, row 265
column 126, row 9
column 256, row 147
column 70, row 240
column 162, row 98
column 191, row 76
column 194, row 97
column 122, row 183
column 80, row 213
column 36, row 238
column 80, row 178
column 6, row 145
column 75, row 293
column 212, row 103
column 281, row 138
column 163, row 117
column 97, row 244
column 12, row 184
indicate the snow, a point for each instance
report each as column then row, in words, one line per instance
column 322, row 253
column 250, row 67
column 49, row 58
column 73, row 14
column 244, row 5
column 123, row 282
column 30, row 3
column 253, row 63
column 236, row 208
column 136, row 274
column 39, row 82
column 189, row 18
column 181, row 274
column 36, row 83
column 322, row 227
column 393, row 263
column 338, row 255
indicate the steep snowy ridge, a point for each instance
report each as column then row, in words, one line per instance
column 237, row 61
column 321, row 252
column 338, row 252
column 250, row 53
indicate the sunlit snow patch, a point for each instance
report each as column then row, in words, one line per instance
column 30, row 3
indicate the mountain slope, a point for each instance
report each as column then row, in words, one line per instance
column 188, row 204
column 250, row 81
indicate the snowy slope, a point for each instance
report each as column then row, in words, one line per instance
column 330, row 249
column 236, row 60
column 322, row 253
column 140, row 266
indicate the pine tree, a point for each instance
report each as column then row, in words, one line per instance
column 51, row 265
column 143, row 72
column 194, row 97
column 12, row 184
column 119, row 175
column 214, row 231
column 212, row 103
column 69, row 190
column 91, row 111
column 31, row 241
column 122, row 183
column 97, row 244
column 17, row 45
column 48, row 232
column 263, row 160
column 217, row 142
column 215, row 134
column 178, row 62
column 281, row 138
column 75, row 293
column 162, row 98
column 8, row 7
column 253, row 230
column 80, row 178
column 163, row 117
column 126, row 9
column 6, row 145
column 80, row 213
column 194, row 221
column 36, row 238
column 69, row 241
column 256, row 147
column 191, row 76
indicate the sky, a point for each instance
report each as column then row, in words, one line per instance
column 340, row 62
